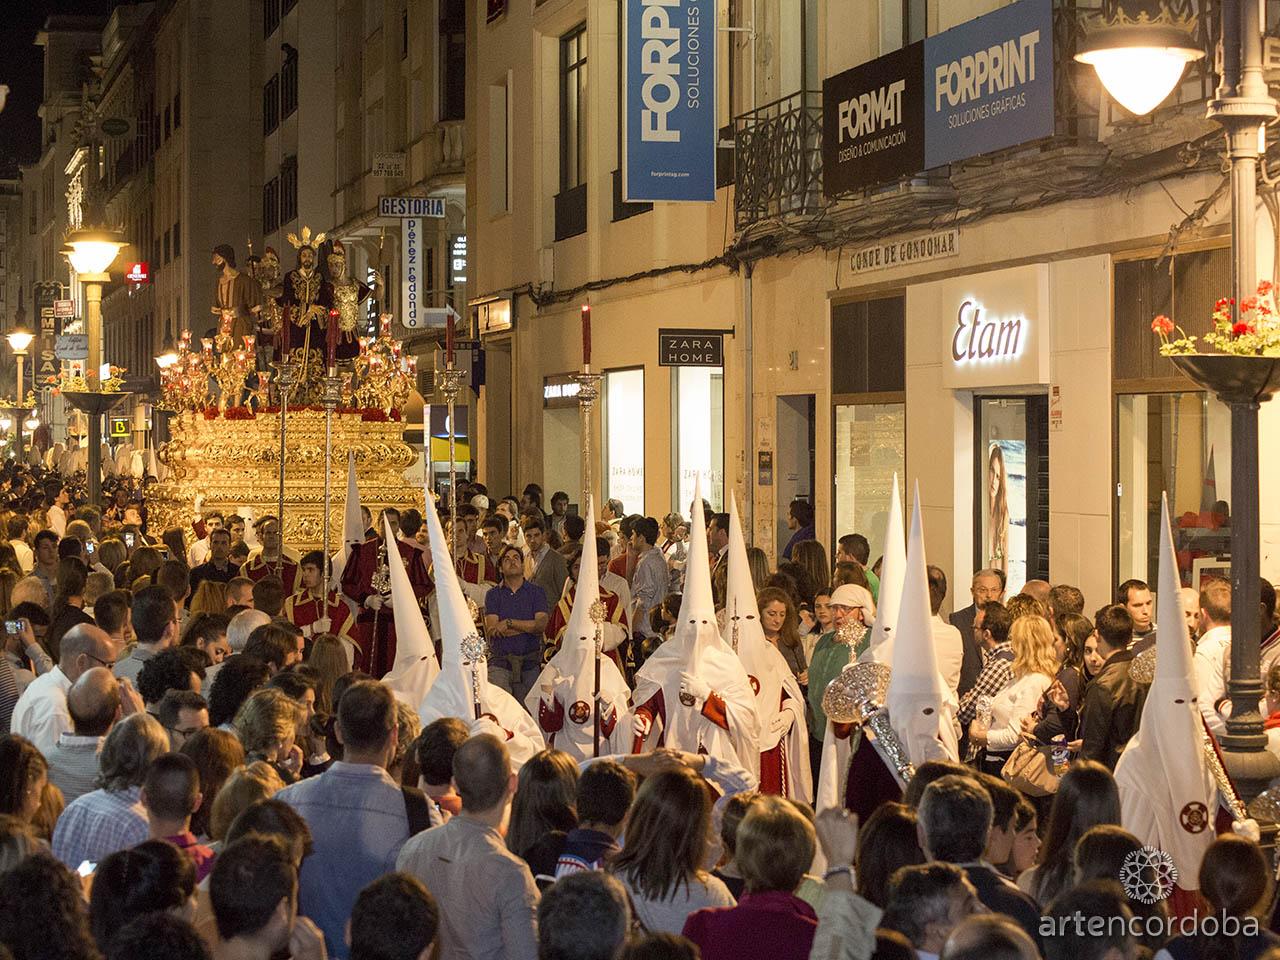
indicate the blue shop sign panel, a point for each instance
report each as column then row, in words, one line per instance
column 669, row 103
column 989, row 83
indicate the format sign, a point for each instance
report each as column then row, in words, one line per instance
column 873, row 114
column 404, row 208
column 669, row 102
column 691, row 348
column 976, row 88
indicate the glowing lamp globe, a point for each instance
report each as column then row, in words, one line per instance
column 1139, row 64
column 32, row 424
column 91, row 251
column 20, row 340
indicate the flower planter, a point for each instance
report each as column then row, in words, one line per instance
column 93, row 402
column 1233, row 379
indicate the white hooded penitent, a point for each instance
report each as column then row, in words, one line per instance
column 1168, row 797
column 415, row 668
column 697, row 651
column 779, row 699
column 921, row 708
column 571, row 675
column 452, row 693
column 892, row 570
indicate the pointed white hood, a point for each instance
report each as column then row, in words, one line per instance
column 1168, row 797
column 577, row 653
column 767, row 670
column 892, row 570
column 920, row 706
column 576, row 662
column 352, row 522
column 697, row 648
column 451, row 694
column 415, row 668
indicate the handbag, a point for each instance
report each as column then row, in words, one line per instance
column 1030, row 770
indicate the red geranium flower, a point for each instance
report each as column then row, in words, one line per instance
column 1162, row 325
column 1240, row 329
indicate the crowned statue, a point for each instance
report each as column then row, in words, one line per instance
column 349, row 295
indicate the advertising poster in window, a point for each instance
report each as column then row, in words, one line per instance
column 1004, row 527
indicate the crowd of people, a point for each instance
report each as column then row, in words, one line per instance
column 213, row 747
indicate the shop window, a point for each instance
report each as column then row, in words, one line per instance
column 624, row 438
column 870, row 447
column 697, row 414
column 1179, row 444
column 1170, row 438
column 1011, row 487
column 868, row 383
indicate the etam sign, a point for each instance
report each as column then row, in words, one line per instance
column 992, row 328
column 981, row 337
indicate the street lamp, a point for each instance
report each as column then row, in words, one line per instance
column 168, row 354
column 1242, row 105
column 91, row 251
column 1139, row 64
column 19, row 342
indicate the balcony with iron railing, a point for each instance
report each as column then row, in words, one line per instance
column 778, row 147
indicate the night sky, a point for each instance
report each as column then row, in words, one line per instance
column 21, row 67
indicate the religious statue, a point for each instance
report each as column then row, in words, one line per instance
column 266, row 270
column 236, row 299
column 306, row 300
column 349, row 295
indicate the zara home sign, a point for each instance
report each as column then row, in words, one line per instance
column 992, row 328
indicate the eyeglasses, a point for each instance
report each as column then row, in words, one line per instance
column 105, row 663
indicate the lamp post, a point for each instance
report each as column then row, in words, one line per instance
column 1139, row 62
column 19, row 342
column 91, row 252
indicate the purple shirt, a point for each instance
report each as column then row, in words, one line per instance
column 522, row 604
column 763, row 926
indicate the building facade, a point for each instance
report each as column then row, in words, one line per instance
column 981, row 328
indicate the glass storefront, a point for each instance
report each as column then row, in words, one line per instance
column 561, row 437
column 624, row 438
column 1180, row 444
column 697, row 405
column 870, row 448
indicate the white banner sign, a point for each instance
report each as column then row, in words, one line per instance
column 411, row 256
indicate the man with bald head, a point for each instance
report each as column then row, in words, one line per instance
column 95, row 702
column 986, row 586
column 1038, row 589
column 41, row 714
column 486, row 894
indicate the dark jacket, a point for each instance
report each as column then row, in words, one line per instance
column 971, row 665
column 1111, row 710
column 999, row 895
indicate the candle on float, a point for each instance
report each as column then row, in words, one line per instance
column 250, row 342
column 448, row 340
column 207, row 344
column 284, row 334
column 586, row 337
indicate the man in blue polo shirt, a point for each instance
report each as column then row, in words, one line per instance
column 515, row 617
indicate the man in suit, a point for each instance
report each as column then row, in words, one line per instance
column 986, row 586
column 549, row 568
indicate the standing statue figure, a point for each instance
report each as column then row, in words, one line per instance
column 236, row 299
column 349, row 294
column 266, row 270
column 306, row 300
